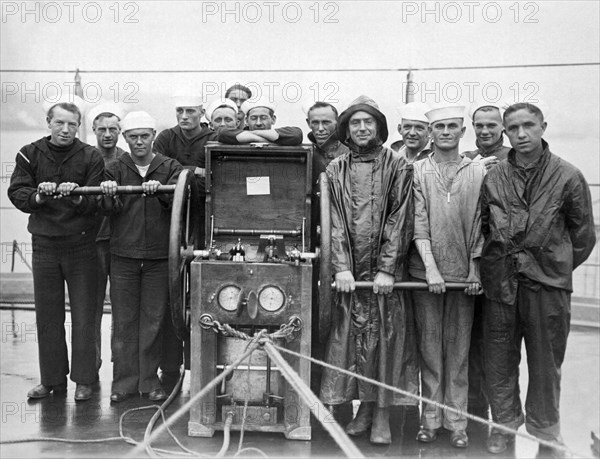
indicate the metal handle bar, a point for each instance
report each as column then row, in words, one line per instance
column 365, row 285
column 126, row 189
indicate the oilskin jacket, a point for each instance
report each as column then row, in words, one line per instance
column 372, row 221
column 140, row 225
column 35, row 164
column 537, row 223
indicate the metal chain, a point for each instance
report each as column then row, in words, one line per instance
column 286, row 331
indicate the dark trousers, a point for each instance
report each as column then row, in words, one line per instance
column 171, row 355
column 57, row 260
column 541, row 316
column 139, row 292
column 102, row 273
column 477, row 395
column 444, row 324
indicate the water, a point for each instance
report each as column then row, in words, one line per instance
column 581, row 152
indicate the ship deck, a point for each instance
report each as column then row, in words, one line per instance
column 61, row 417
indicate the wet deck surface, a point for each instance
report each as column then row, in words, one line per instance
column 61, row 417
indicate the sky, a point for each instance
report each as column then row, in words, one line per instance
column 297, row 52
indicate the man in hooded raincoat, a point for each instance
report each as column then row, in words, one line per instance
column 372, row 221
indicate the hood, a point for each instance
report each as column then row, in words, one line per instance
column 362, row 104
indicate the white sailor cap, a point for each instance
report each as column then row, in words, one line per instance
column 137, row 120
column 483, row 103
column 445, row 113
column 218, row 104
column 106, row 107
column 187, row 100
column 414, row 111
column 249, row 105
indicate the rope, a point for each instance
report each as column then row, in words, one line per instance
column 226, row 435
column 315, row 405
column 312, row 401
column 149, row 449
column 58, row 440
column 188, row 405
column 472, row 417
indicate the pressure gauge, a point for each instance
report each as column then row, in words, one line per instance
column 229, row 297
column 271, row 298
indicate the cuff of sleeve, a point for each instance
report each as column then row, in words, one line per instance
column 80, row 207
column 385, row 270
column 420, row 236
column 339, row 269
column 33, row 204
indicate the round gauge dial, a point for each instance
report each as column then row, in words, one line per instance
column 229, row 297
column 271, row 298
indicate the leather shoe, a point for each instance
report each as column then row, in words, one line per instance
column 118, row 397
column 83, row 392
column 157, row 395
column 497, row 443
column 41, row 391
column 459, row 439
column 427, row 435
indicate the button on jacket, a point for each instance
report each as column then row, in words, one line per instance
column 537, row 222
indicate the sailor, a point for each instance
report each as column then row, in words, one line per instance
column 260, row 118
column 487, row 124
column 538, row 225
column 184, row 143
column 239, row 94
column 322, row 119
column 489, row 139
column 105, row 125
column 448, row 239
column 222, row 114
column 413, row 128
column 63, row 238
column 139, row 246
column 372, row 218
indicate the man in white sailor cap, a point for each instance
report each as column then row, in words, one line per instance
column 139, row 247
column 447, row 236
column 185, row 143
column 62, row 229
column 260, row 118
column 413, row 128
column 222, row 114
